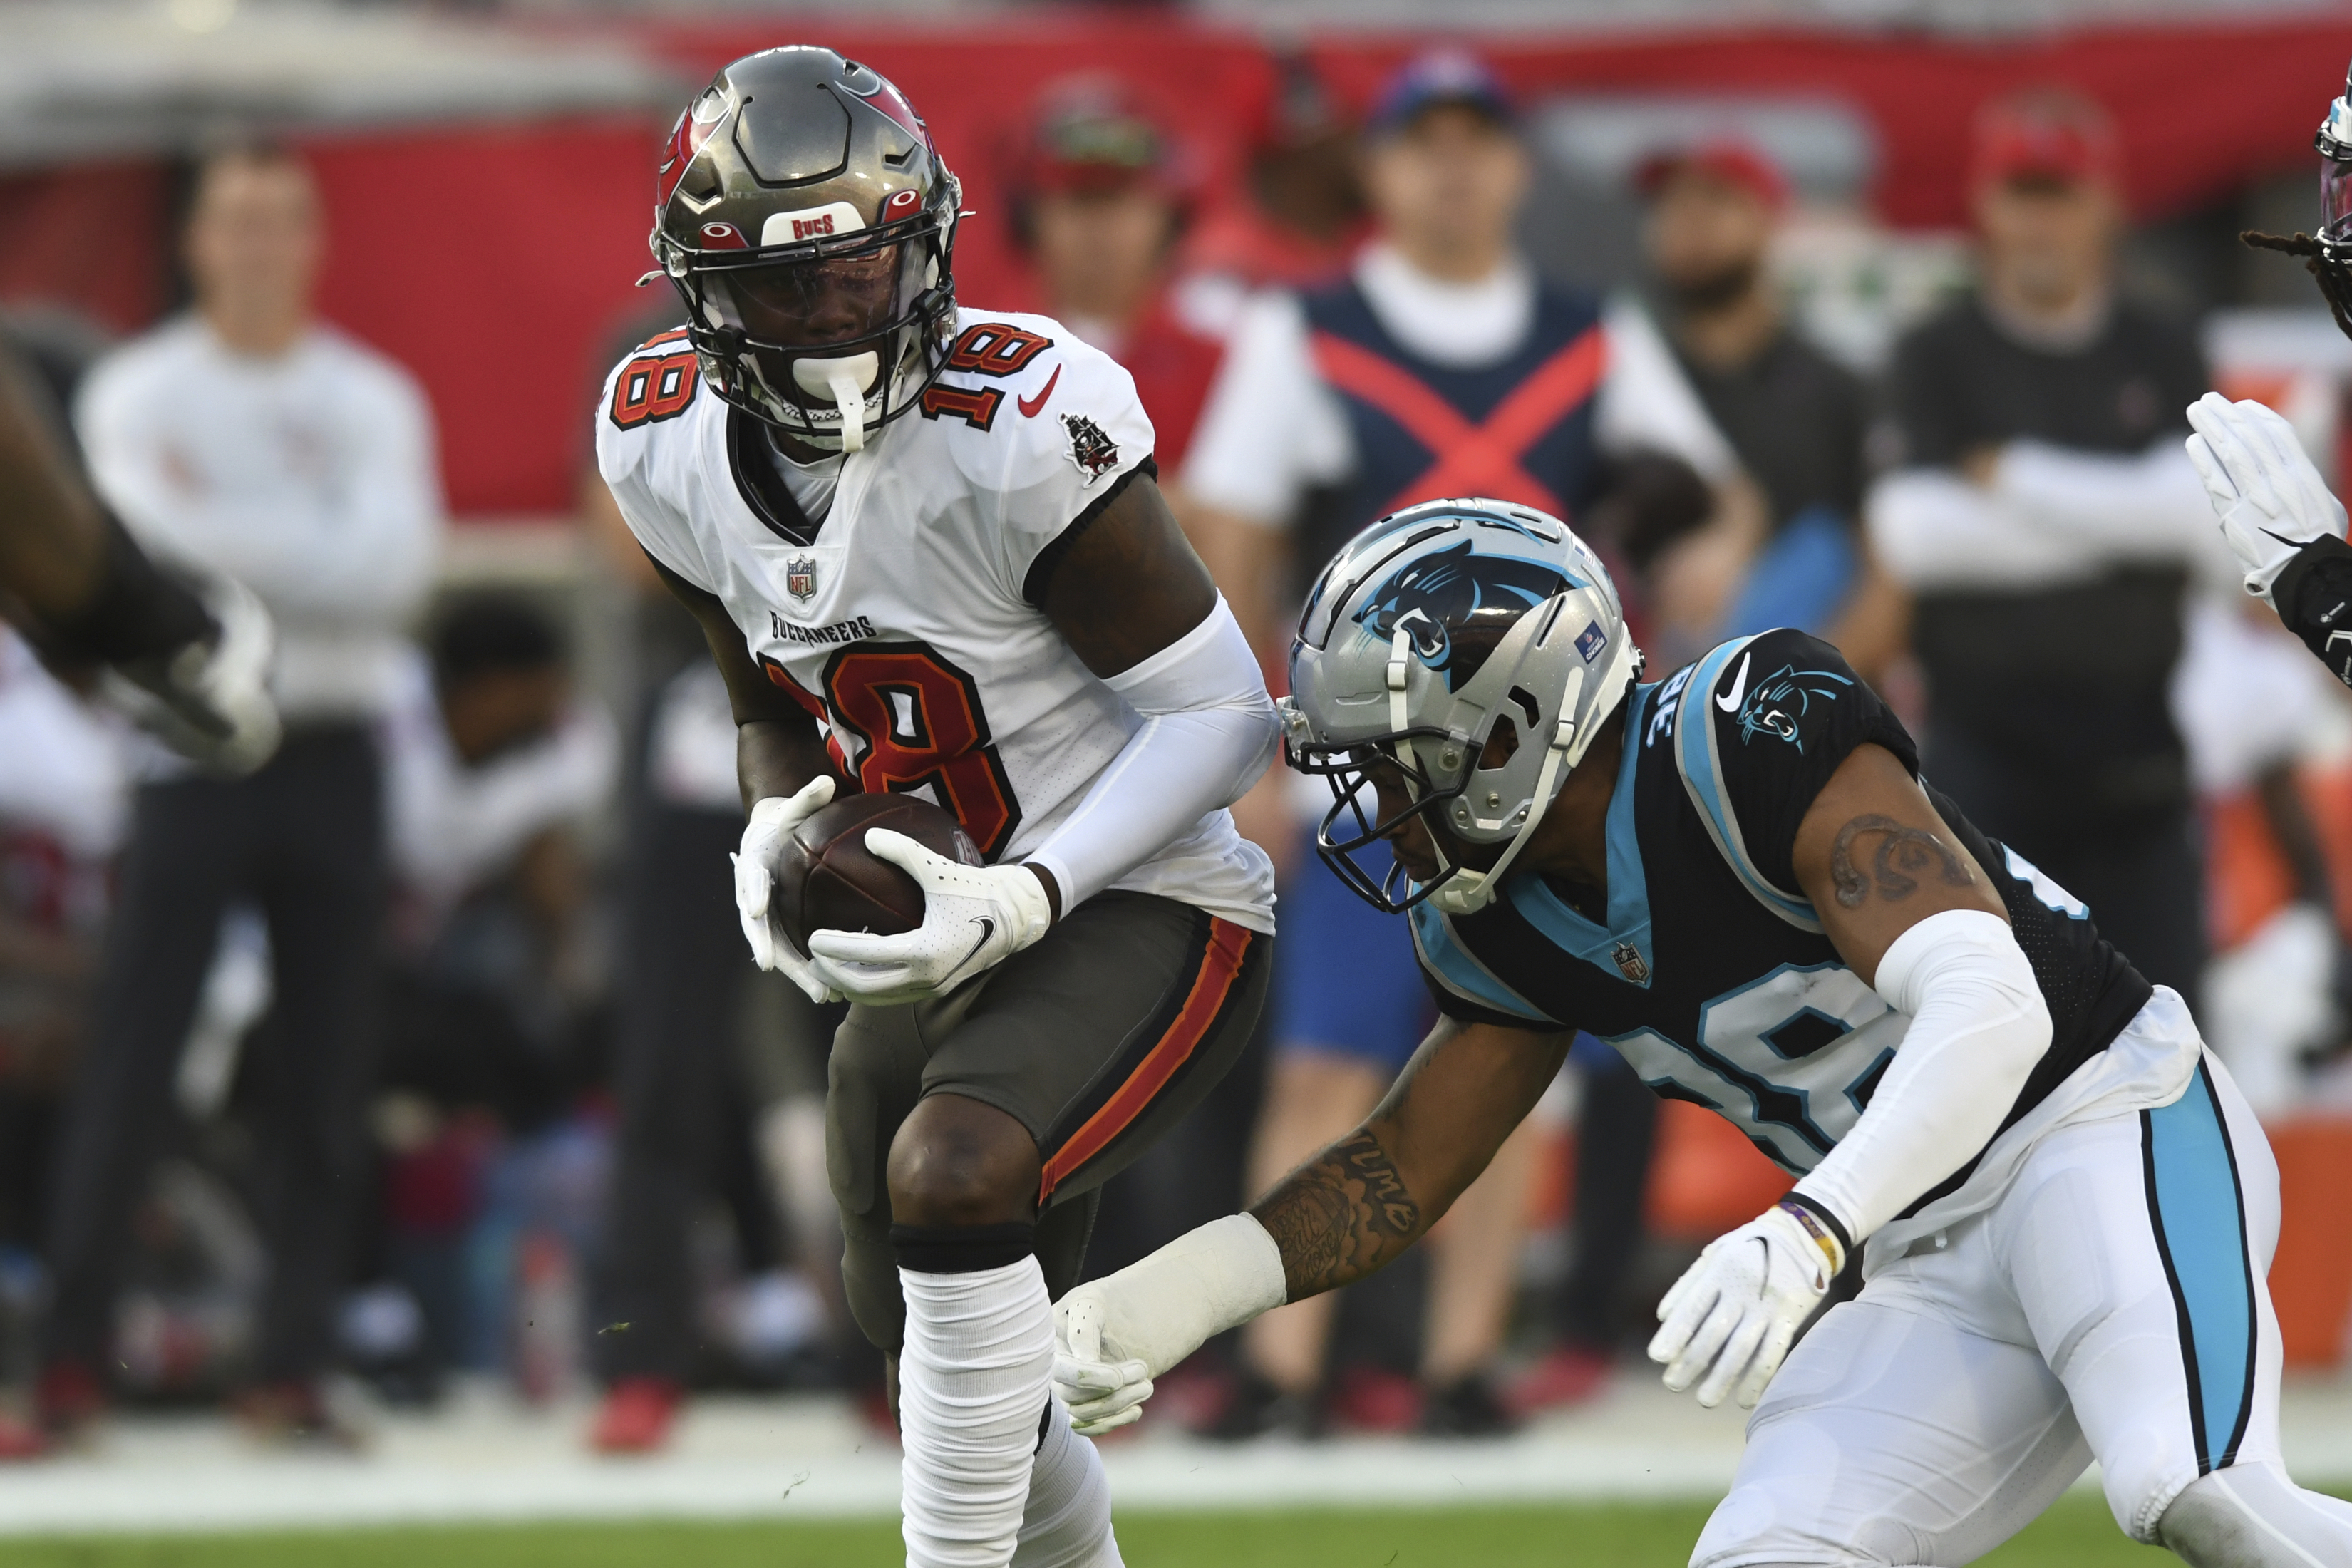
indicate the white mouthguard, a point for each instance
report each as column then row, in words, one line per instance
column 846, row 379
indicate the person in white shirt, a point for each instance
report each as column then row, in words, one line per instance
column 1441, row 365
column 248, row 439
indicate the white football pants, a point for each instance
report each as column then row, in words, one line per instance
column 2110, row 1304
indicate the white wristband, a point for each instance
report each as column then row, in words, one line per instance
column 1162, row 1309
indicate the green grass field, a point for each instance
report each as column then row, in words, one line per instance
column 2077, row 1533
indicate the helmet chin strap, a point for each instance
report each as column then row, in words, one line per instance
column 1465, row 892
column 847, row 378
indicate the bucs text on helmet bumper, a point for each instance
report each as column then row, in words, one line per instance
column 808, row 222
column 1462, row 655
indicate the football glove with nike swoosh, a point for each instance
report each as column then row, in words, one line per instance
column 2269, row 498
column 974, row 918
column 1731, row 1319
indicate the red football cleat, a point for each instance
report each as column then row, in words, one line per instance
column 1569, row 1375
column 637, row 1416
column 67, row 1400
column 1367, row 1399
column 20, row 1441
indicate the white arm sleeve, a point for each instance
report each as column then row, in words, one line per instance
column 1978, row 1025
column 1931, row 529
column 2151, row 506
column 1208, row 733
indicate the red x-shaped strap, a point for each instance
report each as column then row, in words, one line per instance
column 1470, row 459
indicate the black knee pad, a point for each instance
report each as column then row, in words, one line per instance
column 963, row 1248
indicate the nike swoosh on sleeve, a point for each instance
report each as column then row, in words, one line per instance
column 1030, row 406
column 1738, row 687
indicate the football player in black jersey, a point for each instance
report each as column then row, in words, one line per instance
column 1736, row 877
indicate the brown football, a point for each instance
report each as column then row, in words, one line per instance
column 826, row 880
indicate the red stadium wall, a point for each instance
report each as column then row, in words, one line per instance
column 494, row 261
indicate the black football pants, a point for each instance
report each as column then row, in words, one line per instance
column 303, row 838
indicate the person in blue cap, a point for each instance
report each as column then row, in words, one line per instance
column 1438, row 365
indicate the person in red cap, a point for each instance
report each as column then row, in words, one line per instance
column 1297, row 217
column 1102, row 194
column 2047, row 523
column 1793, row 419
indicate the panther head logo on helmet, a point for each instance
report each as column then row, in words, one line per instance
column 1443, row 599
column 1472, row 620
column 806, row 219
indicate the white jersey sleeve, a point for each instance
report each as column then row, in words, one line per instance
column 657, row 383
column 1057, row 430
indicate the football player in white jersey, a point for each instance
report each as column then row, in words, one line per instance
column 930, row 554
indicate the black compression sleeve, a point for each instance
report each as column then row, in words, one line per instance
column 2313, row 596
column 137, row 613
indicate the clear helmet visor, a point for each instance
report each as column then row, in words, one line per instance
column 829, row 306
column 2336, row 199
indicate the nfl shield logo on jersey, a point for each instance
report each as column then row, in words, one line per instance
column 1631, row 964
column 800, row 578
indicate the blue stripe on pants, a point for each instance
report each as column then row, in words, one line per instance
column 2201, row 1229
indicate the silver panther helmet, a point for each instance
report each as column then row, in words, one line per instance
column 1436, row 631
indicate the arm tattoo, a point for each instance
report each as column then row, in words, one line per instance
column 1340, row 1218
column 1904, row 855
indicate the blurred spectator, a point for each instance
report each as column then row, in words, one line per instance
column 493, row 984
column 691, row 1096
column 2046, row 520
column 718, row 1070
column 249, row 439
column 1332, row 409
column 1100, row 194
column 63, row 801
column 2253, row 710
column 1793, row 419
column 1298, row 215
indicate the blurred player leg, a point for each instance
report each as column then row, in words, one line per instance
column 677, row 989
column 176, row 875
column 1616, row 1134
column 1313, row 1098
column 1894, row 1434
column 322, row 885
column 1472, row 1283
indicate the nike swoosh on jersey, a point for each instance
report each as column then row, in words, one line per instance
column 1030, row 406
column 1738, row 687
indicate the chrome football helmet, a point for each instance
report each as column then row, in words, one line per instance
column 1436, row 631
column 809, row 224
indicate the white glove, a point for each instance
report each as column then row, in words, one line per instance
column 773, row 821
column 974, row 917
column 2271, row 500
column 1113, row 1335
column 1737, row 1308
column 210, row 700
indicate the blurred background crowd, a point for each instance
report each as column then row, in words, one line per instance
column 431, row 1051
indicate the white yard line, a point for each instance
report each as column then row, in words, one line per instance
column 482, row 1459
